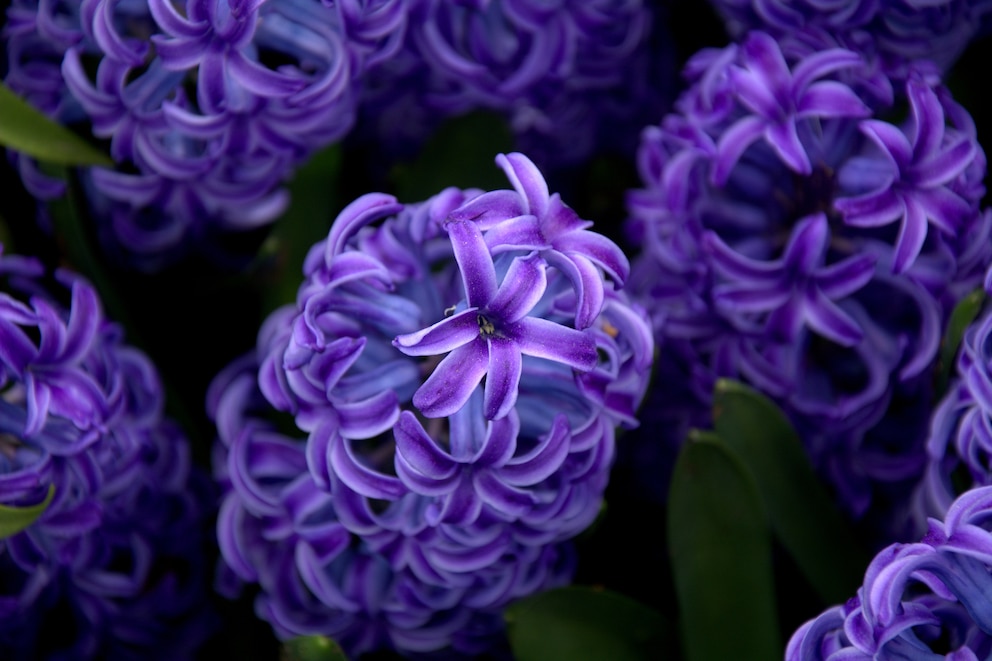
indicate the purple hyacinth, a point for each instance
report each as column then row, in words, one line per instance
column 795, row 238
column 208, row 105
column 926, row 600
column 453, row 401
column 113, row 568
column 894, row 33
column 569, row 77
column 959, row 445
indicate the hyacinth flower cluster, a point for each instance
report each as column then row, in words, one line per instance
column 925, row 600
column 959, row 445
column 415, row 441
column 207, row 105
column 570, row 77
column 892, row 33
column 796, row 233
column 114, row 567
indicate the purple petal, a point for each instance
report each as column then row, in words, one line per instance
column 928, row 118
column 783, row 138
column 601, row 250
column 546, row 339
column 827, row 319
column 419, row 451
column 541, row 462
column 502, row 379
column 500, row 443
column 733, row 143
column 890, row 140
column 523, row 286
column 871, row 210
column 946, row 165
column 735, row 266
column 366, row 209
column 846, row 277
column 356, row 475
column 587, row 283
column 444, row 336
column 451, row 384
column 369, row 417
column 527, row 180
column 820, row 64
column 944, row 208
column 912, row 234
column 746, row 297
column 475, row 262
column 807, row 245
column 828, row 98
column 490, row 209
column 502, row 497
column 520, row 233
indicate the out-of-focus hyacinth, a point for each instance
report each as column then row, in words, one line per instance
column 895, row 33
column 571, row 77
column 927, row 600
column 207, row 105
column 114, row 566
column 959, row 447
column 455, row 370
column 795, row 238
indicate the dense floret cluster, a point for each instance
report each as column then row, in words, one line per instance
column 208, row 105
column 115, row 567
column 892, row 33
column 414, row 442
column 569, row 76
column 794, row 234
column 926, row 600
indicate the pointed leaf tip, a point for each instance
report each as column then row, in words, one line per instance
column 15, row 519
column 25, row 129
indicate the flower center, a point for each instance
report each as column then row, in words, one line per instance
column 486, row 328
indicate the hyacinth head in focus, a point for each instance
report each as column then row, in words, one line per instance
column 570, row 77
column 414, row 442
column 799, row 233
column 113, row 568
column 926, row 600
column 893, row 34
column 207, row 105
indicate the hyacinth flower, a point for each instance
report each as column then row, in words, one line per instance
column 924, row 600
column 413, row 444
column 893, row 33
column 794, row 237
column 113, row 568
column 207, row 105
column 959, row 445
column 569, row 77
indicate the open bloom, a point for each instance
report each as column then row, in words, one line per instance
column 118, row 550
column 457, row 496
column 794, row 238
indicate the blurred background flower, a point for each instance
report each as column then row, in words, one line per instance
column 116, row 565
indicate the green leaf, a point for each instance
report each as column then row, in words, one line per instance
column 799, row 510
column 312, row 648
column 721, row 557
column 965, row 312
column 579, row 623
column 24, row 128
column 313, row 197
column 462, row 153
column 15, row 519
